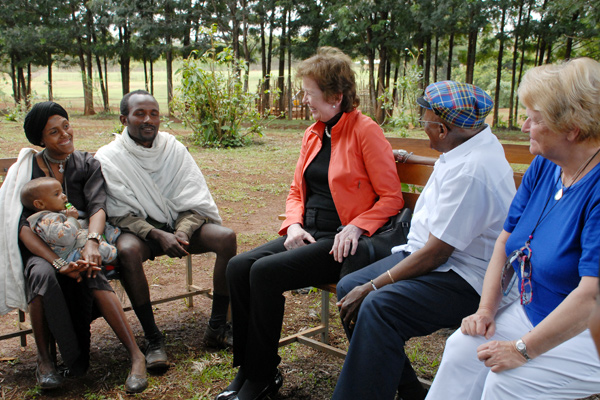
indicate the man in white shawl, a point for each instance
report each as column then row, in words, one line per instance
column 158, row 196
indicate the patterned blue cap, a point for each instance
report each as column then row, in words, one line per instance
column 460, row 104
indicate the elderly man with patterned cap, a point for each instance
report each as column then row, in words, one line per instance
column 435, row 279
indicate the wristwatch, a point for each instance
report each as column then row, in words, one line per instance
column 522, row 348
column 94, row 236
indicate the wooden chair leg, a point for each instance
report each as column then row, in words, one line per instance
column 189, row 280
column 325, row 316
column 21, row 322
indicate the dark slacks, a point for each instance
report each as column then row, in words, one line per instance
column 257, row 280
column 376, row 363
column 68, row 308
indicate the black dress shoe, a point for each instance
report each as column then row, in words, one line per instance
column 136, row 383
column 156, row 356
column 270, row 390
column 51, row 380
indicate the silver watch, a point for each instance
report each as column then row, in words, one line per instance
column 522, row 348
column 94, row 236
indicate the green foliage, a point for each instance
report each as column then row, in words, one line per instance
column 212, row 101
column 16, row 113
column 402, row 112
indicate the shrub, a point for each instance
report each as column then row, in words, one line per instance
column 212, row 101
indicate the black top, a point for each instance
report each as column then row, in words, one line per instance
column 317, row 174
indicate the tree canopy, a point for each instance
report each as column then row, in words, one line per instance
column 487, row 42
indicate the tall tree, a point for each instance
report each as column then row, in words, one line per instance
column 501, row 38
column 82, row 25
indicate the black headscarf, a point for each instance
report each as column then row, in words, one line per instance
column 36, row 120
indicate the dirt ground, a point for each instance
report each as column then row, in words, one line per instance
column 198, row 372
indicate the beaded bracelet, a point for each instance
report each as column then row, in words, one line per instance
column 59, row 263
column 373, row 284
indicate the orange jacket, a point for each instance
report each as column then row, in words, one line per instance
column 362, row 174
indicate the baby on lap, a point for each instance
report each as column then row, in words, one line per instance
column 56, row 222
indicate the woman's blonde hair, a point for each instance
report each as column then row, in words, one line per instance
column 567, row 95
column 332, row 71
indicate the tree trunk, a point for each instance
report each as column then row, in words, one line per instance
column 450, row 49
column 151, row 77
column 420, row 43
column 471, row 53
column 235, row 29
column 380, row 111
column 499, row 68
column 289, row 96
column 88, row 107
column 145, row 61
column 569, row 45
column 371, row 58
column 169, row 58
column 511, row 122
column 264, row 96
column 427, row 74
column 281, row 77
column 102, row 84
column 49, row 63
column 395, row 92
column 105, row 59
column 435, row 58
column 245, row 44
column 14, row 79
column 23, row 87
column 522, row 62
column 125, row 58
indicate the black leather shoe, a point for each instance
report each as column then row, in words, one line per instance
column 221, row 337
column 270, row 390
column 156, row 356
column 227, row 395
column 136, row 383
column 50, row 380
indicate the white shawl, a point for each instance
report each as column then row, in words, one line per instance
column 157, row 182
column 12, row 280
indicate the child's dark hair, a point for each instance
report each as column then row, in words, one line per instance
column 30, row 191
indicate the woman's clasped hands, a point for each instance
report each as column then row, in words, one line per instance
column 499, row 355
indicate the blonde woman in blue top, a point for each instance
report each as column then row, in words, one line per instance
column 539, row 347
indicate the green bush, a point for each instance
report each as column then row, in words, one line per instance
column 212, row 101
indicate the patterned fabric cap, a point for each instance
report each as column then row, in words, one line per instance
column 460, row 104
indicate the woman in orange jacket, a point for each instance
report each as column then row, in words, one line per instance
column 345, row 186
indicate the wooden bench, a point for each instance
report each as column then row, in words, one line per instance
column 191, row 290
column 411, row 175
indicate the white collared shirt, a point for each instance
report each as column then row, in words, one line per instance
column 464, row 204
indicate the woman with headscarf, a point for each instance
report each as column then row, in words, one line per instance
column 63, row 297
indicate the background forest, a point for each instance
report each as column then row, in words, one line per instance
column 401, row 45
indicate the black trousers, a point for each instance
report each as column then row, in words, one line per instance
column 257, row 280
column 68, row 307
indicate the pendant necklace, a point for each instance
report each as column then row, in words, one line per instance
column 559, row 194
column 48, row 159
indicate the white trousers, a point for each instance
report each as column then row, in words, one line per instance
column 568, row 371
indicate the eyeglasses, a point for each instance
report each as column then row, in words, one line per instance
column 423, row 122
column 523, row 256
